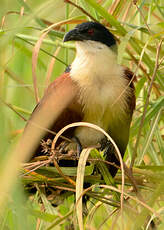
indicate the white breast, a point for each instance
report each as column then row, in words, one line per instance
column 102, row 87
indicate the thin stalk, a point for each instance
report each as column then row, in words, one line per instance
column 146, row 104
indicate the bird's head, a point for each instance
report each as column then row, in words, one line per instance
column 96, row 52
column 91, row 31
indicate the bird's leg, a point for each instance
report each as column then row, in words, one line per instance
column 73, row 147
column 106, row 145
column 78, row 145
column 103, row 143
column 110, row 156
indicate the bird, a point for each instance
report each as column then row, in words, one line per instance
column 94, row 88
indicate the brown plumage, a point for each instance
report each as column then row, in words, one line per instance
column 73, row 112
column 95, row 89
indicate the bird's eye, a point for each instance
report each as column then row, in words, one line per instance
column 91, row 31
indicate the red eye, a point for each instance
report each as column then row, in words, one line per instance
column 91, row 31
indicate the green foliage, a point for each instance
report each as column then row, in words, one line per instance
column 139, row 29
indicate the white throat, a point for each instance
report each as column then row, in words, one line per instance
column 96, row 71
column 94, row 61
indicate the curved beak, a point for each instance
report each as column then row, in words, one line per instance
column 73, row 35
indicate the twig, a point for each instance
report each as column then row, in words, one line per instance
column 152, row 13
column 162, row 59
column 146, row 104
column 131, row 177
column 51, row 55
column 137, row 62
column 22, row 10
column 50, row 68
column 13, row 76
column 10, row 106
column 49, row 131
column 126, row 12
column 37, row 167
column 81, row 9
column 155, row 87
column 135, row 3
column 67, row 178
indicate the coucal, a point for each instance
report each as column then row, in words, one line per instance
column 95, row 89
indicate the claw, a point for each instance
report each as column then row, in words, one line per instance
column 75, row 146
column 62, row 147
column 105, row 144
column 79, row 146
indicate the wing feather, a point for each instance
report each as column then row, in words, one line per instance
column 57, row 108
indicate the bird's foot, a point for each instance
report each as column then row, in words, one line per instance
column 105, row 144
column 71, row 148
